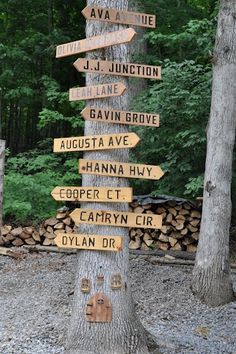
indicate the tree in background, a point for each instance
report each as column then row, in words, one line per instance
column 211, row 276
column 2, row 165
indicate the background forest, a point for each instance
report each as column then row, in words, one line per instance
column 34, row 106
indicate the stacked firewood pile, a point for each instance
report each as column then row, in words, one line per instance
column 44, row 234
column 180, row 230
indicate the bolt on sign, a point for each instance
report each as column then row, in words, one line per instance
column 96, row 142
column 97, row 42
column 117, row 68
column 119, row 219
column 89, row 242
column 117, row 16
column 120, row 117
column 93, row 194
column 119, row 169
column 96, row 91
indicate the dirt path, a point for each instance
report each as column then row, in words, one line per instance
column 35, row 297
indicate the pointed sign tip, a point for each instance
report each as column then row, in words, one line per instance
column 123, row 88
column 84, row 111
column 84, row 11
column 137, row 138
column 76, row 63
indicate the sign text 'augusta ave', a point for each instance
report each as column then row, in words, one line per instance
column 96, row 142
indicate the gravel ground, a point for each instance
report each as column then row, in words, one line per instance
column 34, row 307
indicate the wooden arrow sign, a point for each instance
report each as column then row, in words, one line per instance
column 120, row 117
column 119, row 219
column 117, row 16
column 117, row 68
column 93, row 194
column 119, row 169
column 96, row 91
column 96, row 142
column 97, row 42
column 89, row 242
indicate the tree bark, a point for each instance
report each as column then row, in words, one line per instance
column 2, row 165
column 211, row 276
column 124, row 334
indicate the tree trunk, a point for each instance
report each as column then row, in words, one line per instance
column 211, row 276
column 2, row 164
column 124, row 334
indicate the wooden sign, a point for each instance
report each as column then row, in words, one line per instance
column 119, row 219
column 117, row 68
column 85, row 285
column 93, row 194
column 118, row 16
column 119, row 169
column 99, row 309
column 89, row 242
column 120, row 117
column 96, row 142
column 116, row 282
column 97, row 42
column 97, row 91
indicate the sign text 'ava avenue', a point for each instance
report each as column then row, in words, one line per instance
column 119, row 219
column 117, row 68
column 118, row 16
column 119, row 169
column 93, row 194
column 89, row 242
column 96, row 142
column 97, row 91
column 121, row 117
column 85, row 45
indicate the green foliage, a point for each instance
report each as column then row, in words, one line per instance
column 195, row 41
column 194, row 186
column 58, row 109
column 179, row 144
column 30, row 179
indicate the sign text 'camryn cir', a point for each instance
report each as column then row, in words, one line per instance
column 117, row 16
column 117, row 68
column 93, row 194
column 97, row 91
column 89, row 242
column 119, row 219
column 96, row 142
column 121, row 117
column 119, row 169
column 92, row 43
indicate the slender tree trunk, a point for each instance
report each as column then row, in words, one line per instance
column 2, row 164
column 124, row 335
column 211, row 276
